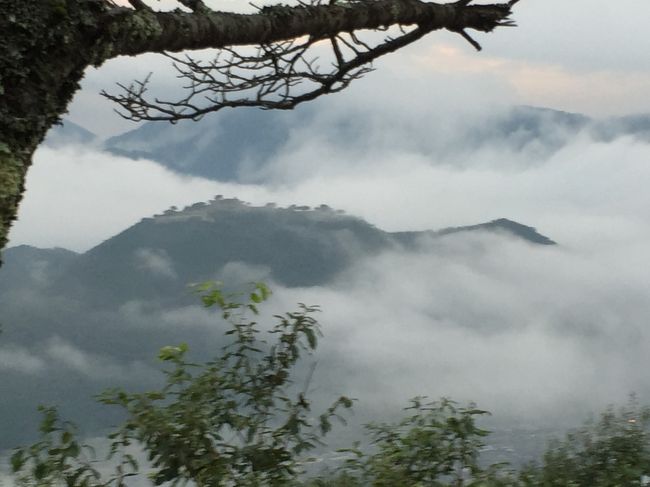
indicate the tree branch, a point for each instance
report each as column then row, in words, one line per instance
column 285, row 73
column 130, row 32
column 139, row 5
column 196, row 6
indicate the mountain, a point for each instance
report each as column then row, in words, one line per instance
column 220, row 147
column 69, row 133
column 157, row 256
column 525, row 127
column 234, row 145
column 223, row 239
column 637, row 126
column 503, row 225
column 28, row 265
column 295, row 247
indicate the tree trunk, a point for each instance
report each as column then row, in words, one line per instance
column 45, row 45
column 14, row 162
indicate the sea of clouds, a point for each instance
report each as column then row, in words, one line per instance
column 539, row 335
column 523, row 329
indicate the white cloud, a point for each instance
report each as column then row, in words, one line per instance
column 581, row 34
column 93, row 366
column 597, row 91
column 536, row 334
column 156, row 261
column 576, row 195
column 18, row 359
column 6, row 480
column 76, row 198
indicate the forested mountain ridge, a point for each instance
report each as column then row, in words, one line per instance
column 295, row 246
column 500, row 225
column 98, row 316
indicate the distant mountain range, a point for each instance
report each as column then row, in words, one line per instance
column 74, row 323
column 235, row 144
column 69, row 133
column 296, row 246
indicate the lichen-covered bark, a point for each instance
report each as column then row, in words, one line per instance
column 45, row 46
column 13, row 166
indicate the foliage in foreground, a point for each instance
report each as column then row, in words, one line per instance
column 612, row 451
column 431, row 448
column 230, row 421
column 238, row 421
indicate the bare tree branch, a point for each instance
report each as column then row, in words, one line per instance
column 283, row 74
column 196, row 6
column 134, row 32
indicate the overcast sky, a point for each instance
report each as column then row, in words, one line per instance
column 557, row 327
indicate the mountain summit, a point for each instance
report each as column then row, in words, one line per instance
column 506, row 226
column 229, row 240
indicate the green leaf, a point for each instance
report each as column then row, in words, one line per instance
column 263, row 289
column 311, row 338
column 40, row 471
column 49, row 420
column 73, row 450
column 203, row 286
column 130, row 459
column 172, row 353
column 66, row 437
column 17, row 461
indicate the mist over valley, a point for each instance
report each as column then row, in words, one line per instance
column 487, row 309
